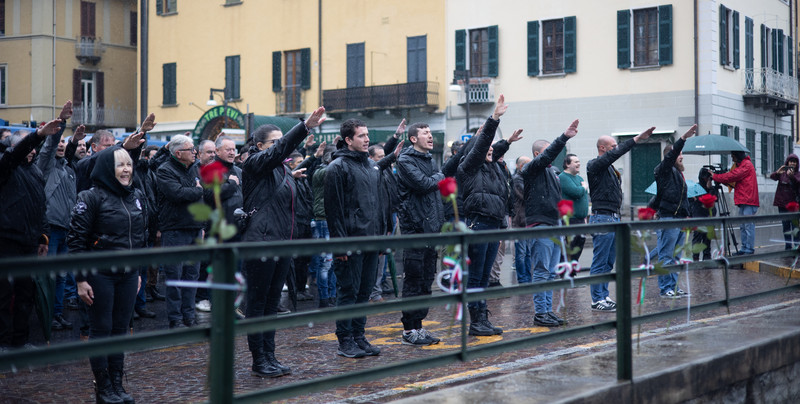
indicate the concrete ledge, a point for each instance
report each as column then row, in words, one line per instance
column 751, row 358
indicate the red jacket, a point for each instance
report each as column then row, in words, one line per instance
column 744, row 175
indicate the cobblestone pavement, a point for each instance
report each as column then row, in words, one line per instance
column 178, row 374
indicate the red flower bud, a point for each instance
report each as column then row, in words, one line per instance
column 792, row 206
column 565, row 207
column 707, row 200
column 646, row 213
column 213, row 172
column 448, row 186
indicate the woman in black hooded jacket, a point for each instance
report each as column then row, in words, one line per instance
column 112, row 215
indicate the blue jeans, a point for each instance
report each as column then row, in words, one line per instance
column 604, row 255
column 481, row 257
column 748, row 230
column 522, row 260
column 321, row 263
column 668, row 240
column 180, row 301
column 58, row 246
column 546, row 255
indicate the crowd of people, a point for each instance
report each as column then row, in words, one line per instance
column 68, row 197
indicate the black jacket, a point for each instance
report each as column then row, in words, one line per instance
column 177, row 189
column 450, row 169
column 230, row 192
column 109, row 216
column 671, row 186
column 542, row 186
column 420, row 209
column 483, row 184
column 22, row 201
column 270, row 191
column 605, row 184
column 352, row 198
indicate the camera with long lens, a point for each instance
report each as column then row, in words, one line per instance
column 715, row 168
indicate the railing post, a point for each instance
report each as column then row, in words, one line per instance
column 624, row 323
column 464, row 304
column 220, row 363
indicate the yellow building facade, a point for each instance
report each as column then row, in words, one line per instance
column 378, row 61
column 56, row 50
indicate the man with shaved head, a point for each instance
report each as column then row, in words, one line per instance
column 605, row 190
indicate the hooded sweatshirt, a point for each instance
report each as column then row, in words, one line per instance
column 788, row 185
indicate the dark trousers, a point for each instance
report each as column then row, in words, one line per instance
column 264, row 285
column 481, row 258
column 788, row 228
column 14, row 318
column 180, row 301
column 578, row 241
column 355, row 278
column 110, row 313
column 419, row 271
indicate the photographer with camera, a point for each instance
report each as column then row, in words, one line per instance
column 788, row 185
column 742, row 177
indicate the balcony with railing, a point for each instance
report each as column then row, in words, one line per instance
column 94, row 115
column 421, row 94
column 481, row 90
column 770, row 89
column 89, row 49
column 290, row 100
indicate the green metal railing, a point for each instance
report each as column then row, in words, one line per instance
column 224, row 327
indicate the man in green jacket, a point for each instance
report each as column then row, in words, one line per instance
column 574, row 188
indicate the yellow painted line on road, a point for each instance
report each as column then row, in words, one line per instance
column 394, row 328
column 532, row 330
column 431, row 382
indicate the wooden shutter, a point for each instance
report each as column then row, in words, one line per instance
column 764, row 152
column 100, row 89
column 494, row 51
column 77, row 94
column 533, row 48
column 276, row 71
column 159, row 7
column 763, row 46
column 723, row 35
column 305, row 68
column 624, row 39
column 736, row 39
column 232, row 77
column 750, row 141
column 790, row 55
column 748, row 43
column 774, row 60
column 570, row 50
column 461, row 49
column 779, row 50
column 665, row 35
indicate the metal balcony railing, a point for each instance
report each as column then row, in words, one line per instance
column 224, row 327
column 89, row 49
column 770, row 83
column 94, row 115
column 290, row 100
column 480, row 91
column 421, row 94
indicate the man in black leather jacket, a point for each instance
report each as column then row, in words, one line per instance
column 352, row 207
column 605, row 190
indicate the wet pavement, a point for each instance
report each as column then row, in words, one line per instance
column 178, row 374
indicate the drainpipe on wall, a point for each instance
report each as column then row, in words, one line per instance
column 319, row 51
column 143, row 62
column 53, row 68
column 696, row 84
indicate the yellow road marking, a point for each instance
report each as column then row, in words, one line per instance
column 422, row 385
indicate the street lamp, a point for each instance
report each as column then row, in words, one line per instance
column 463, row 75
column 213, row 103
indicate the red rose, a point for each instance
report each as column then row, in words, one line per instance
column 646, row 213
column 448, row 186
column 213, row 173
column 707, row 200
column 565, row 207
column 792, row 206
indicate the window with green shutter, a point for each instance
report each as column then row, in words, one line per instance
column 623, row 39
column 723, row 131
column 736, row 133
column 665, row 35
column 461, row 49
column 169, row 84
column 482, row 48
column 232, row 77
column 779, row 50
column 779, row 150
column 736, row 39
column 750, row 140
column 790, row 55
column 533, row 48
column 748, row 43
column 723, row 35
column 305, row 68
column 494, row 51
column 765, row 152
column 276, row 72
column 570, row 45
column 764, row 36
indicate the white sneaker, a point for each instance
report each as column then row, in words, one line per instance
column 203, row 305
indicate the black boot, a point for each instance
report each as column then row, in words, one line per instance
column 262, row 368
column 103, row 390
column 485, row 322
column 285, row 370
column 476, row 326
column 153, row 291
column 116, row 382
